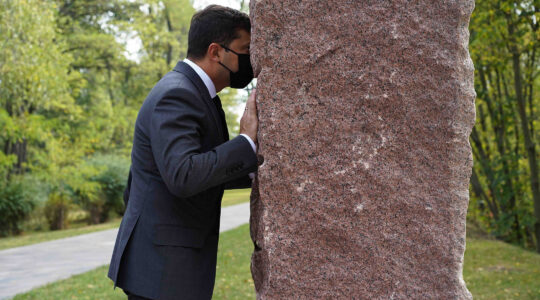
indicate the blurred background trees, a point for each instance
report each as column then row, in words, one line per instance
column 73, row 74
column 504, row 45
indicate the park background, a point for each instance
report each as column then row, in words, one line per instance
column 74, row 73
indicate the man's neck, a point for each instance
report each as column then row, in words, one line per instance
column 203, row 75
column 210, row 71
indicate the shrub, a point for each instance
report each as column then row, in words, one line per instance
column 107, row 198
column 15, row 205
column 87, row 193
column 38, row 190
column 113, row 183
column 57, row 208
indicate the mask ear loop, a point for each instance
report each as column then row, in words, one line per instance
column 226, row 49
column 225, row 67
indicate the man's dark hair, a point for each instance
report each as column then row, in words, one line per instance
column 214, row 24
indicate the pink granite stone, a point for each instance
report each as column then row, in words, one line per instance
column 365, row 111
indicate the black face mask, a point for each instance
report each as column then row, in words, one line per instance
column 244, row 76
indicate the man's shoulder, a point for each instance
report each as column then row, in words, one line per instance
column 173, row 84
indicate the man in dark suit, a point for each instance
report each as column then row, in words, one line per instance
column 181, row 162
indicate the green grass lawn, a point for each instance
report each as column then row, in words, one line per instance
column 231, row 197
column 497, row 270
column 492, row 270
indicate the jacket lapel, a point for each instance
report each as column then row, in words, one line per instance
column 185, row 69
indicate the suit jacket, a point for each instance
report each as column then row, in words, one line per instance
column 181, row 162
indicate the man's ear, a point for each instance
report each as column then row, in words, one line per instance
column 214, row 52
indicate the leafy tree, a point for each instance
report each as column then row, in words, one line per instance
column 504, row 45
column 69, row 95
column 34, row 86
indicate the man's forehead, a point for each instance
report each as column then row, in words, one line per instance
column 243, row 39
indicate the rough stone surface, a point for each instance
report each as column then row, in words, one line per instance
column 365, row 110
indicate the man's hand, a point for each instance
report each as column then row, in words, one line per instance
column 250, row 122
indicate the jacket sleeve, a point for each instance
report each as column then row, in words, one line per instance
column 175, row 135
column 243, row 182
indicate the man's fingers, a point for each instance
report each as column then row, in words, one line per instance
column 251, row 105
column 252, row 95
column 249, row 122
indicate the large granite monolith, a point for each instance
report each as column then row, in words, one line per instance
column 365, row 111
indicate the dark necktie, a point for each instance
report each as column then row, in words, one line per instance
column 217, row 103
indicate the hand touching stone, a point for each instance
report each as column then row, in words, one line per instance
column 250, row 122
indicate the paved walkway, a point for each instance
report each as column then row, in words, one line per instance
column 28, row 267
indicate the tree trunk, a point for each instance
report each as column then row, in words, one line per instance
column 529, row 143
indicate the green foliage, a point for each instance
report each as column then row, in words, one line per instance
column 112, row 183
column 69, row 94
column 15, row 206
column 34, row 85
column 57, row 208
column 38, row 191
column 229, row 100
column 504, row 44
column 95, row 184
column 87, row 192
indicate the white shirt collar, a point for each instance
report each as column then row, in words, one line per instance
column 205, row 78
